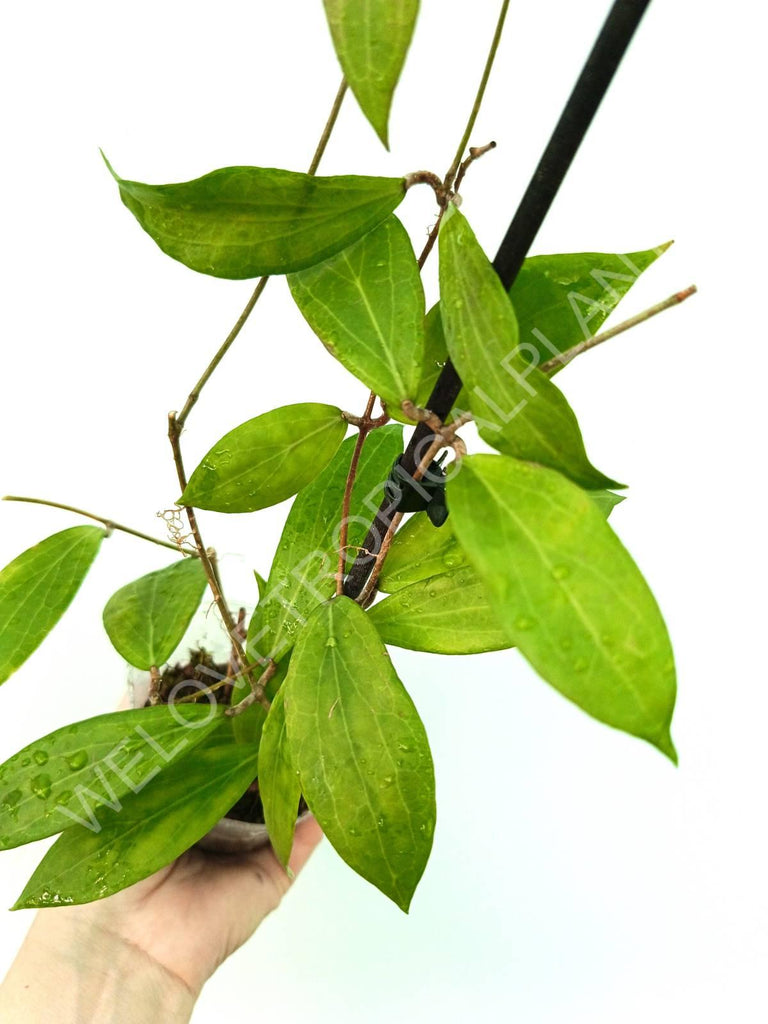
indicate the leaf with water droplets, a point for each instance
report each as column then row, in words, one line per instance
column 366, row 304
column 446, row 614
column 306, row 561
column 278, row 782
column 518, row 410
column 93, row 764
column 146, row 619
column 266, row 459
column 37, row 588
column 240, row 222
column 420, row 550
column 371, row 39
column 361, row 750
column 567, row 592
column 150, row 829
column 562, row 299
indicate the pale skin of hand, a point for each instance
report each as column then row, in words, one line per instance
column 144, row 954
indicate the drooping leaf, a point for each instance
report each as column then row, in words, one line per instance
column 36, row 589
column 451, row 613
column 433, row 360
column 239, row 222
column 71, row 774
column 518, row 410
column 361, row 750
column 267, row 459
column 306, row 561
column 567, row 592
column 420, row 550
column 146, row 619
column 562, row 299
column 371, row 39
column 278, row 782
column 151, row 828
column 366, row 304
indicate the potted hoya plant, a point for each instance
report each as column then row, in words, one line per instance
column 397, row 534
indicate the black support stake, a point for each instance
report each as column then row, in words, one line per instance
column 587, row 94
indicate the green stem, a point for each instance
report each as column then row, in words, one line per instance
column 479, row 97
column 194, row 394
column 109, row 523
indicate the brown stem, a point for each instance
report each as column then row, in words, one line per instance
column 109, row 523
column 475, row 152
column 363, row 429
column 258, row 693
column 563, row 358
column 203, row 553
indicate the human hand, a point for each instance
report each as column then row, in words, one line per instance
column 151, row 947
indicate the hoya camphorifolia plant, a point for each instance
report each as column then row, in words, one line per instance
column 503, row 550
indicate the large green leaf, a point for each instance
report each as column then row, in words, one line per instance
column 146, row 619
column 306, row 561
column 371, row 39
column 517, row 408
column 558, row 300
column 451, row 613
column 562, row 299
column 278, row 782
column 36, row 589
column 267, row 459
column 366, row 304
column 361, row 750
column 70, row 774
column 567, row 592
column 239, row 222
column 151, row 829
column 420, row 550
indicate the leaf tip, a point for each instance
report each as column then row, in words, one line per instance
column 110, row 168
column 667, row 747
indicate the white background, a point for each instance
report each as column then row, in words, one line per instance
column 576, row 875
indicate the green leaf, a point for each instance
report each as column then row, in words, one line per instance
column 371, row 39
column 446, row 614
column 261, row 583
column 567, row 592
column 433, row 360
column 516, row 407
column 366, row 304
column 361, row 750
column 151, row 829
column 418, row 551
column 146, row 619
column 561, row 300
column 37, row 588
column 606, row 501
column 278, row 782
column 71, row 774
column 239, row 222
column 306, row 561
column 267, row 459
